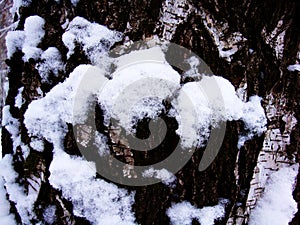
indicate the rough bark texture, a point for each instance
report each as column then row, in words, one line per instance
column 264, row 71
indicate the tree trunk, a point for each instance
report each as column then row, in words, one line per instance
column 263, row 53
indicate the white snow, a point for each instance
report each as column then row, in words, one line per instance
column 164, row 175
column 17, row 4
column 69, row 41
column 153, row 54
column 12, row 126
column 37, row 144
column 33, row 29
column 55, row 109
column 5, row 216
column 143, row 79
column 295, row 67
column 14, row 41
column 137, row 90
column 203, row 104
column 27, row 40
column 193, row 114
column 19, row 99
column 24, row 203
column 92, row 198
column 74, row 2
column 65, row 24
column 94, row 38
column 101, row 144
column 193, row 71
column 31, row 52
column 254, row 119
column 277, row 206
column 96, row 200
column 34, row 32
column 51, row 63
column 49, row 214
column 183, row 213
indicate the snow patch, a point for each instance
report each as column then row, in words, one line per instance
column 56, row 108
column 193, row 71
column 74, row 2
column 164, row 175
column 94, row 38
column 277, row 206
column 101, row 144
column 33, row 29
column 5, row 216
column 51, row 64
column 27, row 40
column 141, row 82
column 254, row 119
column 24, row 203
column 183, row 213
column 34, row 32
column 92, row 198
column 19, row 99
column 12, row 126
column 49, row 214
column 37, row 144
column 137, row 91
column 96, row 200
column 14, row 41
column 214, row 99
column 295, row 67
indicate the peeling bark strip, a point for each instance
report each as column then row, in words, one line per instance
column 173, row 13
column 254, row 44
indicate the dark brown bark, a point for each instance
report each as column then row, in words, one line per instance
column 264, row 73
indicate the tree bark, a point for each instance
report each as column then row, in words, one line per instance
column 264, row 71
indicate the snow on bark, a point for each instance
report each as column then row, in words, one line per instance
column 98, row 201
column 277, row 205
column 5, row 216
column 95, row 39
column 273, row 156
column 92, row 38
column 275, row 39
column 24, row 201
column 295, row 67
column 17, row 4
column 14, row 41
column 183, row 213
column 173, row 13
column 75, row 177
column 19, row 99
column 34, row 32
column 51, row 64
column 164, row 175
column 227, row 44
column 28, row 39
